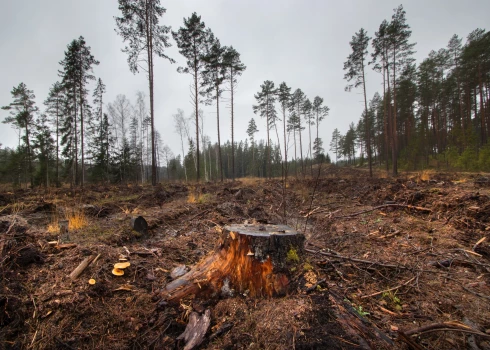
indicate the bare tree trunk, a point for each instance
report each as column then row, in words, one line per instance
column 311, row 153
column 196, row 101
column 482, row 108
column 76, row 135
column 395, row 135
column 220, row 161
column 232, row 127
column 385, row 116
column 268, row 142
column 368, row 136
column 82, row 136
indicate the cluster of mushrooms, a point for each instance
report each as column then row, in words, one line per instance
column 119, row 268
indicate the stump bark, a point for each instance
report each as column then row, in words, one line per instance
column 254, row 260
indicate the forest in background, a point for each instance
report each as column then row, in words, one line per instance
column 432, row 114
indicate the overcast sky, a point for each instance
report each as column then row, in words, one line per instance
column 303, row 43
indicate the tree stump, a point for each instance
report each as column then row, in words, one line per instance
column 254, row 260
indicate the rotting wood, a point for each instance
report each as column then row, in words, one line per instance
column 358, row 327
column 253, row 260
column 80, row 268
column 196, row 329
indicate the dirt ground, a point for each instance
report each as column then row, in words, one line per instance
column 399, row 263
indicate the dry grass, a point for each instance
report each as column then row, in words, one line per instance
column 426, row 175
column 54, row 226
column 76, row 220
column 199, row 198
column 251, row 181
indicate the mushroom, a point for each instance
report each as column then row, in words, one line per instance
column 91, row 281
column 250, row 253
column 119, row 268
column 118, row 272
column 122, row 265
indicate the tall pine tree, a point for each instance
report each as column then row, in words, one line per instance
column 192, row 40
column 139, row 26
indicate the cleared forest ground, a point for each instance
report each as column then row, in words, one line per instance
column 389, row 262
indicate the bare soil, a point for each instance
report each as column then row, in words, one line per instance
column 389, row 263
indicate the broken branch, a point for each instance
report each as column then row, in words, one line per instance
column 388, row 290
column 80, row 268
column 408, row 206
column 357, row 260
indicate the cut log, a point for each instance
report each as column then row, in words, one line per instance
column 254, row 260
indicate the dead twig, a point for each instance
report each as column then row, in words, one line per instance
column 408, row 206
column 198, row 214
column 406, row 339
column 358, row 260
column 80, row 268
column 388, row 290
column 446, row 326
column 313, row 287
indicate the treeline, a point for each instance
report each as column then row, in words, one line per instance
column 78, row 137
column 435, row 113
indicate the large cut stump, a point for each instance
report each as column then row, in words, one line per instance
column 254, row 260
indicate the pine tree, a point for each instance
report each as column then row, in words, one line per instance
column 335, row 146
column 292, row 126
column 265, row 108
column 401, row 54
column 380, row 53
column 44, row 145
column 318, row 149
column 97, row 131
column 22, row 111
column 213, row 77
column 355, row 67
column 307, row 113
column 192, row 41
column 297, row 100
column 284, row 97
column 321, row 112
column 180, row 123
column 69, row 137
column 139, row 25
column 54, row 108
column 251, row 130
column 233, row 68
column 77, row 69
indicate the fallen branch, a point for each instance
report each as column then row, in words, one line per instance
column 357, row 260
column 80, row 268
column 408, row 206
column 66, row 246
column 406, row 339
column 388, row 290
column 198, row 214
column 313, row 287
column 479, row 242
column 446, row 326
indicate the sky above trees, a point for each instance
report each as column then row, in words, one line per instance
column 302, row 43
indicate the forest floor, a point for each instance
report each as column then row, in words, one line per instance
column 398, row 263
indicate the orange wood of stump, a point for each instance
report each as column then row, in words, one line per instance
column 250, row 259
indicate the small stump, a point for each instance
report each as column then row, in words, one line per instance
column 256, row 260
